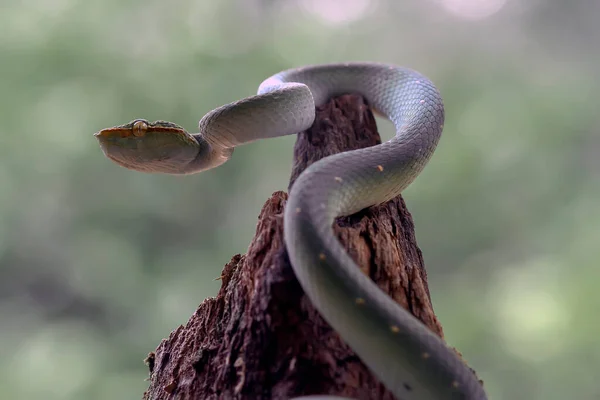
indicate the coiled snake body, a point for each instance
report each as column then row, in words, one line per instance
column 411, row 361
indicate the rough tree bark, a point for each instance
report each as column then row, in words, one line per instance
column 260, row 338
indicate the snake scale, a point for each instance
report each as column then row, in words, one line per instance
column 410, row 360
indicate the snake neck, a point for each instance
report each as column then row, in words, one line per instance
column 210, row 155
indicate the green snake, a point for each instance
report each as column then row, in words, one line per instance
column 409, row 359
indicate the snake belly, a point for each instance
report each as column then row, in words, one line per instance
column 409, row 359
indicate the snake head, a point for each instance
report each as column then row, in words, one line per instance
column 155, row 147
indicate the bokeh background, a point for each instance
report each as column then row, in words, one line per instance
column 98, row 263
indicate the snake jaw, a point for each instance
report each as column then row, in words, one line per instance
column 154, row 147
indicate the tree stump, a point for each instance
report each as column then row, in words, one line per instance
column 260, row 338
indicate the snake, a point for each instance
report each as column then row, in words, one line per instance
column 410, row 360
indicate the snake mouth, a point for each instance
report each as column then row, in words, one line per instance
column 140, row 128
column 113, row 133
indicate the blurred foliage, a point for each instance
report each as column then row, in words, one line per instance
column 98, row 263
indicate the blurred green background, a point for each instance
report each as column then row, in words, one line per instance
column 98, row 263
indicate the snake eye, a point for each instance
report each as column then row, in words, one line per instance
column 139, row 128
